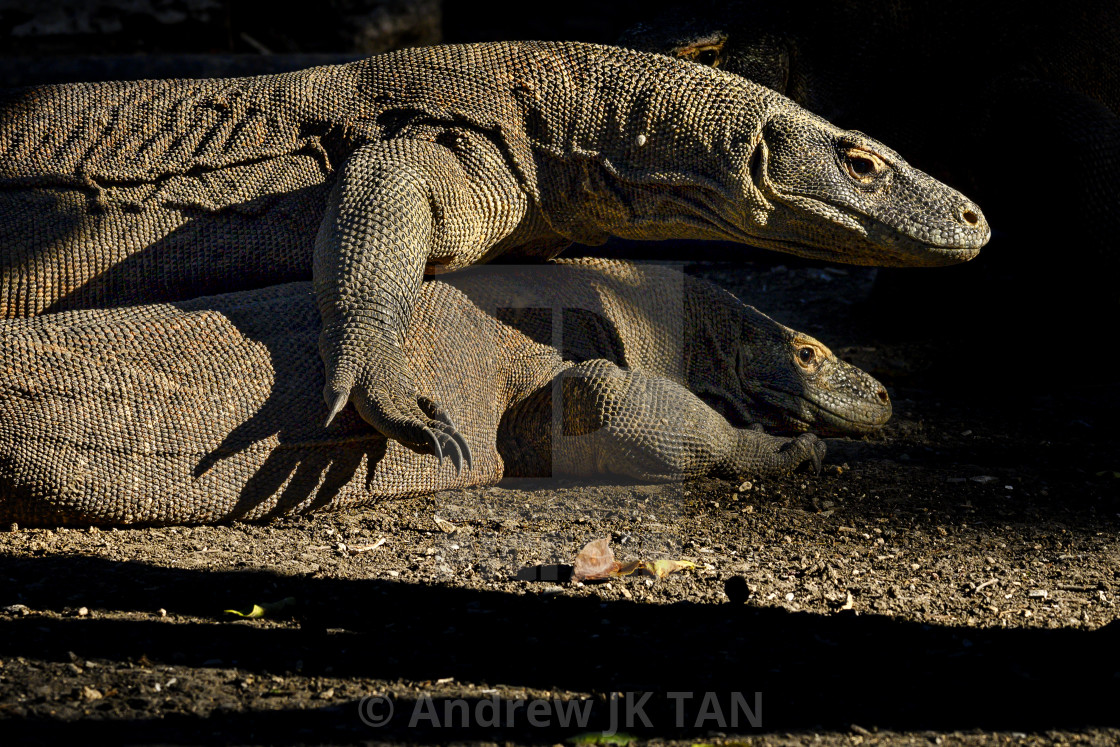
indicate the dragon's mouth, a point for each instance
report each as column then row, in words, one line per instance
column 822, row 417
column 888, row 243
column 903, row 250
column 784, row 412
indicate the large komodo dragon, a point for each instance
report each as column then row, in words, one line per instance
column 200, row 411
column 363, row 176
column 974, row 93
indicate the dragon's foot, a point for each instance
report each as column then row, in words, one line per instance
column 797, row 451
column 389, row 400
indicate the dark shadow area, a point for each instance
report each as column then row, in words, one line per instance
column 815, row 672
column 576, row 20
column 223, row 28
column 17, row 71
column 325, row 460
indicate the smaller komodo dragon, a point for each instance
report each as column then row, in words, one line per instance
column 200, row 411
column 362, row 177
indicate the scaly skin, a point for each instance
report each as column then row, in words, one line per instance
column 363, row 176
column 201, row 412
column 661, row 322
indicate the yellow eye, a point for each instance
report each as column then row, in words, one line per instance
column 806, row 356
column 707, row 54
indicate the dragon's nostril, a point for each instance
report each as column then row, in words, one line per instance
column 883, row 397
column 970, row 217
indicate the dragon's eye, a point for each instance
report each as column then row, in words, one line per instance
column 806, row 355
column 705, row 54
column 863, row 165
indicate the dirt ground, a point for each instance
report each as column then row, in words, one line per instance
column 952, row 580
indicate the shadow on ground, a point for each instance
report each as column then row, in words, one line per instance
column 819, row 672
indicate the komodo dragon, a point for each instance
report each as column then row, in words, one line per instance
column 364, row 176
column 200, row 411
column 989, row 97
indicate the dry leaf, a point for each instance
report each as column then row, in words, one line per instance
column 263, row 610
column 662, row 567
column 659, row 568
column 595, row 561
column 625, row 569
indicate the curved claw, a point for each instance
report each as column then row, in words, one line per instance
column 433, row 410
column 465, row 448
column 816, row 449
column 340, row 401
column 460, row 442
column 795, row 452
column 455, row 454
column 816, row 457
column 433, row 444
